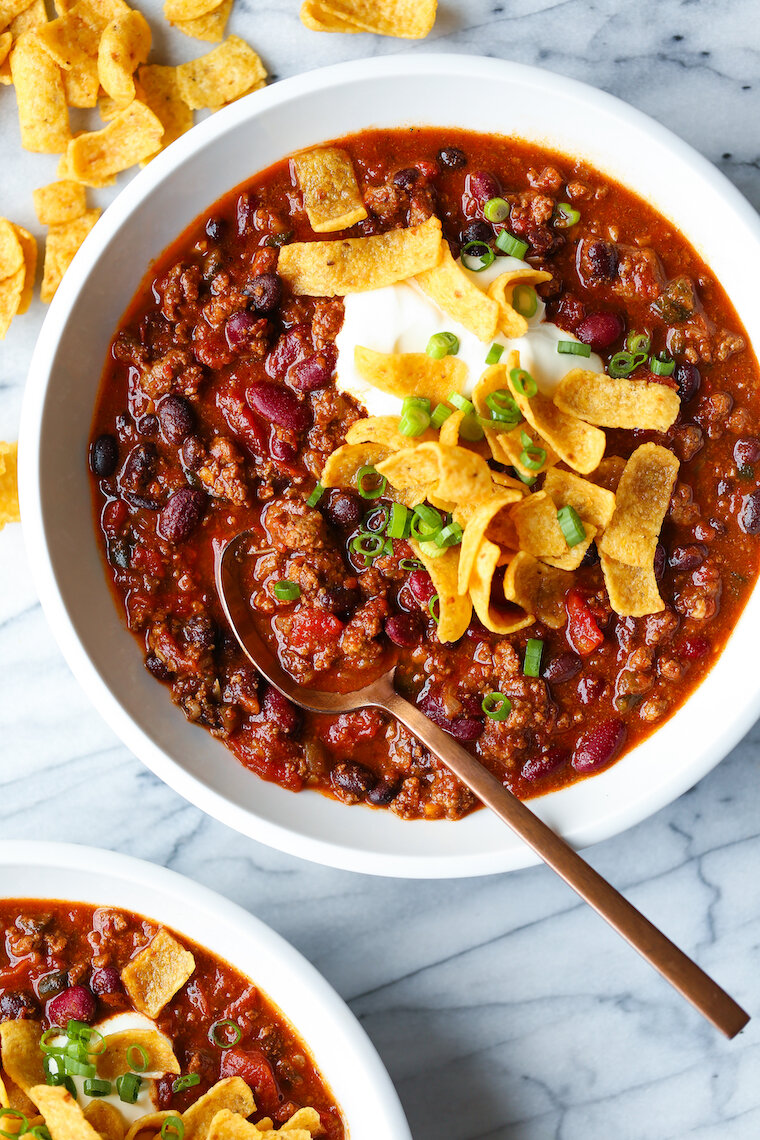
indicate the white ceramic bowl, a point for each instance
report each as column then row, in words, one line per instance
column 343, row 1053
column 218, row 154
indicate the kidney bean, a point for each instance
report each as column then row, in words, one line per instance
column 238, row 329
column 749, row 514
column 106, row 980
column 281, row 711
column 421, row 585
column 281, row 450
column 747, row 451
column 139, row 467
column 477, row 231
column 406, row 177
column 404, row 630
column 562, row 668
column 265, row 291
column 353, row 780
column 147, row 425
column 176, row 417
column 543, row 764
column 692, row 648
column 293, row 346
column 687, row 557
column 689, row 379
column 590, row 689
column 600, row 330
column 599, row 746
column 660, row 558
column 278, row 405
column 192, row 453
column 17, row 1006
column 76, row 1002
column 344, row 509
column 314, row 372
column 462, row 728
column 180, row 516
column 452, row 158
column 383, row 793
column 242, row 423
column 104, row 456
column 246, row 214
column 602, row 259
column 482, row 186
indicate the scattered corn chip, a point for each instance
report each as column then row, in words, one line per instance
column 341, row 467
column 454, row 292
column 154, row 976
column 512, row 323
column 148, row 1127
column 113, row 1061
column 409, row 19
column 232, row 1093
column 177, row 10
column 124, row 45
column 577, row 443
column 42, row 111
column 105, row 1119
column 228, row 1125
column 59, row 202
column 617, row 401
column 538, row 588
column 20, row 1040
column 641, row 503
column 384, row 430
column 11, row 1096
column 134, row 134
column 356, row 265
column 411, row 373
column 209, row 27
column 538, row 530
column 454, row 609
column 63, row 1115
column 80, row 84
column 6, row 39
column 593, row 503
column 499, row 617
column 632, row 590
column 29, row 246
column 331, row 195
column 159, row 90
column 476, row 529
column 10, row 513
column 62, row 243
column 220, row 76
column 11, row 250
column 11, row 294
column 9, row 9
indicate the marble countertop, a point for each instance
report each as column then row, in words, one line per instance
column 502, row 1007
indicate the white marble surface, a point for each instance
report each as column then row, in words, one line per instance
column 502, row 1007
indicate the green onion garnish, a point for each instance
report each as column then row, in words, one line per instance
column 284, row 591
column 315, row 496
column 462, row 403
column 439, row 415
column 426, row 522
column 137, row 1055
column 94, row 1086
column 375, row 520
column 39, row 1132
column 477, row 256
column 78, row 1068
column 571, row 525
column 368, row 546
column 187, row 1081
column 398, row 522
column 451, row 535
column 534, row 647
column 364, row 479
column 442, row 344
column 503, row 406
column 470, row 430
column 525, row 300
column 496, row 706
column 128, row 1087
column 15, row 1115
column 566, row 216
column 637, row 342
column 434, row 605
column 494, row 354
column 532, row 456
column 511, row 245
column 172, row 1128
column 661, row 365
column 528, row 480
column 46, row 1041
column 573, row 348
column 411, row 564
column 623, row 363
column 413, row 422
column 496, row 210
column 523, row 382
column 231, row 1033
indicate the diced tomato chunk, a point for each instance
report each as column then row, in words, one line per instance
column 583, row 634
column 242, row 422
column 254, row 1068
column 352, row 729
column 313, row 627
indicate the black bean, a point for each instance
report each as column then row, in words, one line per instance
column 148, row 425
column 382, row 794
column 339, row 600
column 119, row 553
column 688, row 557
column 562, row 668
column 452, row 158
column 688, row 378
column 181, row 515
column 406, row 177
column 139, row 467
column 344, row 509
column 200, row 631
column 104, row 456
column 176, row 417
column 660, row 559
column 591, row 557
column 603, row 259
column 156, row 666
column 50, row 984
column 16, row 1005
column 477, row 231
column 352, row 781
column 215, row 228
column 265, row 291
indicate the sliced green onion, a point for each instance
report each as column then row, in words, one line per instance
column 229, row 1027
column 638, row 342
column 426, row 522
column 413, row 422
column 451, row 535
column 128, row 1087
column 411, row 564
column 525, row 300
column 442, row 344
column 661, row 365
column 462, row 403
column 398, row 522
column 40, row 1132
column 566, row 216
column 315, row 496
column 477, row 256
column 623, row 363
column 375, row 520
column 15, row 1115
column 528, row 480
column 494, row 354
column 416, row 401
column 571, row 525
column 77, row 1068
column 534, row 647
column 284, row 591
column 496, row 210
column 94, row 1086
column 369, row 473
column 368, row 546
column 470, row 430
column 511, row 245
column 172, row 1128
column 46, row 1041
column 187, row 1081
column 523, row 382
column 573, row 348
column 434, row 605
column 439, row 416
column 532, row 456
column 431, row 550
column 497, row 425
column 496, row 706
column 137, row 1055
column 503, row 406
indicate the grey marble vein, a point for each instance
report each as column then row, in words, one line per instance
column 503, row 1008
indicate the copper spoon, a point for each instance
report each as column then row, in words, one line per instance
column 678, row 969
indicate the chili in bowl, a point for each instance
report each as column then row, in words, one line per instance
column 475, row 399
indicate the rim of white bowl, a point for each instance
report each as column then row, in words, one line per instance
column 347, row 1036
column 615, row 818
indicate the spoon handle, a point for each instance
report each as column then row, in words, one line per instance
column 685, row 975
